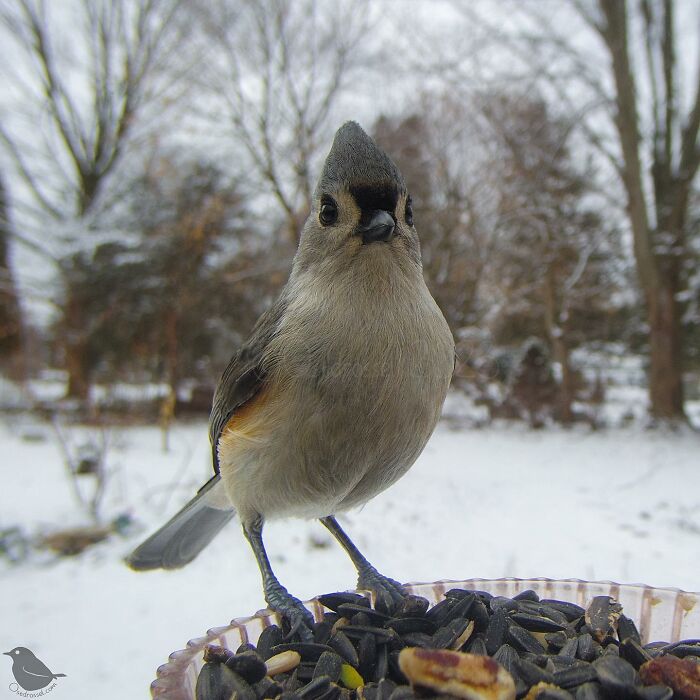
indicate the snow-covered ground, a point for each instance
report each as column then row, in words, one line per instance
column 621, row 504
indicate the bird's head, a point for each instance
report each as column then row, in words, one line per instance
column 18, row 651
column 361, row 208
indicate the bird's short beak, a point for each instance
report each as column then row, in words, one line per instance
column 380, row 227
column 7, row 653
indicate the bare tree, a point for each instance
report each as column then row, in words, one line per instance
column 446, row 164
column 276, row 71
column 556, row 260
column 639, row 108
column 92, row 97
column 10, row 310
column 658, row 214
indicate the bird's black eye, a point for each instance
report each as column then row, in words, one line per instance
column 329, row 211
column 408, row 214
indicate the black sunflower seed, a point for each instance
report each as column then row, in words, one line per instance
column 307, row 650
column 527, row 595
column 558, row 662
column 403, row 692
column 381, row 634
column 248, row 665
column 601, row 617
column 507, row 657
column 340, row 643
column 322, row 631
column 617, row 676
column 496, row 631
column 575, row 676
column 334, row 600
column 570, row 610
column 305, row 671
column 626, row 629
column 479, row 613
column 536, row 623
column 570, row 648
column 218, row 682
column 654, row 692
column 385, row 688
column 522, row 640
column 439, row 612
column 413, row 606
column 266, row 688
column 554, row 693
column 318, row 686
column 367, row 653
column 349, row 610
column 477, row 645
column 445, row 637
column 683, row 650
column 329, row 664
column 271, row 636
column 633, row 652
column 501, row 603
column 555, row 641
column 405, row 625
column 532, row 674
column 382, row 666
column 589, row 691
column 588, row 649
column 418, row 639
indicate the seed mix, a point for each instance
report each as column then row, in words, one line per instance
column 470, row 644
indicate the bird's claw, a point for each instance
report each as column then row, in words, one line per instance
column 300, row 624
column 300, row 620
column 388, row 594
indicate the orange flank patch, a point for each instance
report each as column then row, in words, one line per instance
column 246, row 424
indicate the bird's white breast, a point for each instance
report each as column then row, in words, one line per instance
column 358, row 372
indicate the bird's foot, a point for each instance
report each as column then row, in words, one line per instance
column 300, row 620
column 388, row 594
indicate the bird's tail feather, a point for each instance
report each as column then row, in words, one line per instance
column 187, row 533
column 59, row 675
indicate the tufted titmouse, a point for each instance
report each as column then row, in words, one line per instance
column 340, row 384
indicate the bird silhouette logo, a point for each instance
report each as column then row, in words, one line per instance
column 29, row 672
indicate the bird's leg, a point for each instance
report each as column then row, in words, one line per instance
column 276, row 595
column 388, row 593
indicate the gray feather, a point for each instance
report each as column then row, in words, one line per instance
column 243, row 377
column 186, row 534
column 355, row 158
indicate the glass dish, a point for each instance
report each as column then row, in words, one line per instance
column 663, row 614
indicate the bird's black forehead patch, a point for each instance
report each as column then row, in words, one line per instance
column 373, row 197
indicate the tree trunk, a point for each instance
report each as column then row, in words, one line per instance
column 665, row 351
column 565, row 411
column 556, row 328
column 172, row 347
column 75, row 348
column 78, row 381
column 11, row 357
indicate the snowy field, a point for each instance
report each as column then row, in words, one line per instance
column 620, row 504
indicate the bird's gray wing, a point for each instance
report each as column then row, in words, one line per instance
column 244, row 377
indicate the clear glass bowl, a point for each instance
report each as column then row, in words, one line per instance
column 661, row 614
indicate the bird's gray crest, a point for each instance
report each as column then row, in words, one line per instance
column 356, row 160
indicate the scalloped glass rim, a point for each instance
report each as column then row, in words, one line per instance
column 664, row 614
